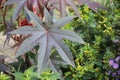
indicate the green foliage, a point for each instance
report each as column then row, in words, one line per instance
column 47, row 75
column 5, row 13
column 4, row 76
column 30, row 74
column 99, row 32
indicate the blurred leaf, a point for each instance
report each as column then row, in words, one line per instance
column 61, row 6
column 92, row 4
column 19, row 76
column 9, row 27
column 17, row 9
column 3, row 67
column 4, row 76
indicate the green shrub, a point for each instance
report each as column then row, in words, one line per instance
column 99, row 32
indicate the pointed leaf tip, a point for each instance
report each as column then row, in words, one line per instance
column 47, row 16
column 60, row 23
column 72, row 4
column 18, row 8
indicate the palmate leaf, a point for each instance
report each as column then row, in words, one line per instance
column 47, row 35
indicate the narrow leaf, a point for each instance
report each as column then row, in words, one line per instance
column 43, row 54
column 62, row 52
column 54, row 67
column 51, row 2
column 24, row 30
column 67, row 52
column 94, row 6
column 9, row 27
column 91, row 3
column 62, row 8
column 70, row 35
column 48, row 17
column 9, row 2
column 36, row 20
column 18, row 8
column 62, row 22
column 72, row 4
column 82, row 2
column 29, row 43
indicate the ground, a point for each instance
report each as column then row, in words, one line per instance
column 7, row 51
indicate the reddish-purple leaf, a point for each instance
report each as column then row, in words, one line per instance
column 9, row 27
column 72, row 4
column 92, row 4
column 61, row 6
column 47, row 37
column 17, row 9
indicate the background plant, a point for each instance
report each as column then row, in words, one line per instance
column 4, row 76
column 92, row 59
